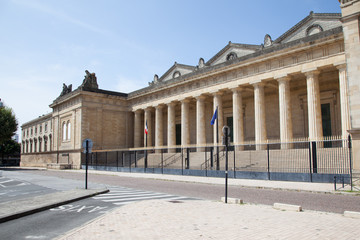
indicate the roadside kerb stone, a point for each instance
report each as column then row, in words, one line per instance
column 15, row 209
column 352, row 214
column 232, row 200
column 287, row 207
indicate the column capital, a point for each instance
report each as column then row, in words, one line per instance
column 237, row 89
column 172, row 103
column 258, row 84
column 311, row 72
column 284, row 79
column 200, row 97
column 185, row 100
column 341, row 66
column 160, row 106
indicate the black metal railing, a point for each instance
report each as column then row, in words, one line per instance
column 297, row 160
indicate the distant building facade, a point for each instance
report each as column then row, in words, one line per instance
column 304, row 84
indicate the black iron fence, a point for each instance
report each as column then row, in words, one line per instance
column 317, row 161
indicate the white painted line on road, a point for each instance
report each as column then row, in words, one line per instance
column 167, row 198
column 136, row 197
column 127, row 195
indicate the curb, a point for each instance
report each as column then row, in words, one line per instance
column 51, row 200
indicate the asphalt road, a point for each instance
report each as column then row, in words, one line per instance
column 336, row 203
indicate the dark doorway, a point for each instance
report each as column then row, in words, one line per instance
column 229, row 123
column 178, row 134
column 326, row 122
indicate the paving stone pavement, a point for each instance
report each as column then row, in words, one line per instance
column 199, row 219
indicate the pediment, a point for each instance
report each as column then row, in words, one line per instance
column 312, row 24
column 176, row 71
column 232, row 51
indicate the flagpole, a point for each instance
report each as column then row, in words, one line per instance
column 217, row 140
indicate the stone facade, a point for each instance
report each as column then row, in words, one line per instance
column 281, row 90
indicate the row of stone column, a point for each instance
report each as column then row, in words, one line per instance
column 286, row 132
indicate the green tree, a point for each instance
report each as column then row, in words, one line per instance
column 8, row 124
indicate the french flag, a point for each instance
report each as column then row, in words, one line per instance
column 146, row 128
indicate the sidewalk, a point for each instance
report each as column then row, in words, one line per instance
column 161, row 219
column 253, row 183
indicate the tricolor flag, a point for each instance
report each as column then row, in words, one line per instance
column 146, row 128
column 214, row 117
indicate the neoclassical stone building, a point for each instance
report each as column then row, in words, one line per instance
column 304, row 84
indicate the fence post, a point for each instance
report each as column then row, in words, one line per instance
column 187, row 164
column 212, row 157
column 96, row 160
column 205, row 163
column 268, row 160
column 162, row 162
column 314, row 157
column 135, row 153
column 105, row 160
column 122, row 159
column 234, row 163
column 350, row 160
column 117, row 160
column 310, row 169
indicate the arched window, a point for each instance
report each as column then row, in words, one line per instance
column 68, row 126
column 64, row 131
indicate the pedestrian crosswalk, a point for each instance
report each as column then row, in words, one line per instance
column 8, row 182
column 122, row 196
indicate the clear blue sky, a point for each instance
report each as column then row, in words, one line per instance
column 45, row 43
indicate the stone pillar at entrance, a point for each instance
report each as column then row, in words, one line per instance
column 171, row 127
column 344, row 102
column 185, row 130
column 137, row 129
column 238, row 120
column 314, row 107
column 149, row 121
column 159, row 126
column 286, row 132
column 200, row 122
column 218, row 103
column 260, row 118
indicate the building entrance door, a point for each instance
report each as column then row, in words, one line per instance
column 326, row 122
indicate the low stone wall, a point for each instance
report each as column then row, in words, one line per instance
column 50, row 158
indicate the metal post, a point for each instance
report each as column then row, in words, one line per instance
column 314, row 157
column 146, row 157
column 268, row 160
column 310, row 162
column 217, row 141
column 117, row 160
column 135, row 153
column 86, row 172
column 212, row 158
column 234, row 164
column 350, row 159
column 162, row 162
column 226, row 134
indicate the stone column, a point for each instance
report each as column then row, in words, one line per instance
column 185, row 129
column 286, row 132
column 171, row 136
column 314, row 105
column 137, row 129
column 200, row 122
column 159, row 133
column 238, row 120
column 344, row 101
column 260, row 118
column 149, row 121
column 220, row 117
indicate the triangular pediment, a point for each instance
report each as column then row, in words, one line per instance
column 232, row 51
column 312, row 24
column 176, row 71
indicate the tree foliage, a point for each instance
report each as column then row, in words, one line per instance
column 10, row 147
column 8, row 124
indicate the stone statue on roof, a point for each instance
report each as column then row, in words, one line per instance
column 90, row 81
column 66, row 89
